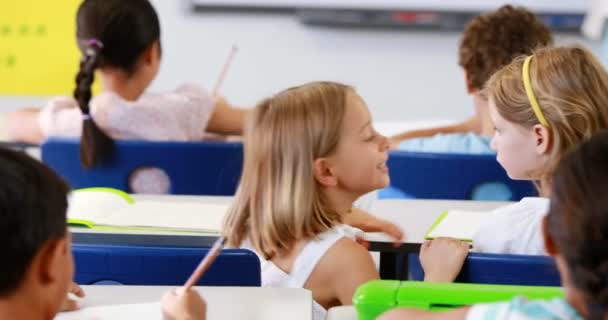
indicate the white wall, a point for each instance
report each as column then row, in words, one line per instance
column 403, row 75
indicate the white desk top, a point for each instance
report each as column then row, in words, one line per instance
column 222, row 302
column 342, row 313
column 415, row 217
column 387, row 128
column 167, row 198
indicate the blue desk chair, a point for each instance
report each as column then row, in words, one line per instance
column 426, row 175
column 486, row 268
column 196, row 168
column 143, row 265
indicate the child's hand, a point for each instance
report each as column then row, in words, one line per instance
column 69, row 304
column 369, row 223
column 183, row 305
column 220, row 101
column 442, row 259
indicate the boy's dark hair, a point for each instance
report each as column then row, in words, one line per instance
column 578, row 219
column 110, row 33
column 492, row 40
column 33, row 204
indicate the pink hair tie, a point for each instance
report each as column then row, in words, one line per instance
column 95, row 43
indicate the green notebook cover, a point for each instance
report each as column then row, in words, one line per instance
column 72, row 222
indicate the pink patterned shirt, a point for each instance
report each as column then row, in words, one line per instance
column 180, row 115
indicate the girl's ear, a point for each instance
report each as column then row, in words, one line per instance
column 323, row 173
column 543, row 139
column 152, row 53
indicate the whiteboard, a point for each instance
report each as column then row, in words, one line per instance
column 545, row 6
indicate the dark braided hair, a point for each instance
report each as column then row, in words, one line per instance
column 578, row 220
column 111, row 33
column 94, row 143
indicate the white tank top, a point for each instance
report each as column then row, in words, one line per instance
column 305, row 263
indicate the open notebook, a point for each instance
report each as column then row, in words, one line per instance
column 457, row 224
column 105, row 208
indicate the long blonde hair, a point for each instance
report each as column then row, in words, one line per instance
column 278, row 201
column 571, row 87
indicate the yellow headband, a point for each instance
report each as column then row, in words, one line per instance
column 530, row 93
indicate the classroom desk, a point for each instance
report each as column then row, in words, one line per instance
column 342, row 313
column 152, row 238
column 387, row 128
column 222, row 302
column 415, row 217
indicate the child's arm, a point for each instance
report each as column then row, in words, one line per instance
column 350, row 265
column 470, row 125
column 22, row 126
column 442, row 259
column 227, row 119
column 404, row 314
column 369, row 223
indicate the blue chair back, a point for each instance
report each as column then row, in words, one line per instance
column 486, row 268
column 426, row 175
column 196, row 168
column 155, row 265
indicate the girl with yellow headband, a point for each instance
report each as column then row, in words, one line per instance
column 542, row 106
column 578, row 248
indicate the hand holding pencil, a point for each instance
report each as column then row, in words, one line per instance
column 185, row 303
column 181, row 305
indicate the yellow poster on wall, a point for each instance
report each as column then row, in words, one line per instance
column 38, row 52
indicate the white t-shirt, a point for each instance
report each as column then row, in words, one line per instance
column 514, row 229
column 179, row 115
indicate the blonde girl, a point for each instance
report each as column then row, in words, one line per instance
column 575, row 232
column 310, row 151
column 542, row 106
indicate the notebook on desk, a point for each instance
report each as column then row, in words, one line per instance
column 111, row 209
column 457, row 224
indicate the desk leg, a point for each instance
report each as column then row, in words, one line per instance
column 405, row 268
column 388, row 268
